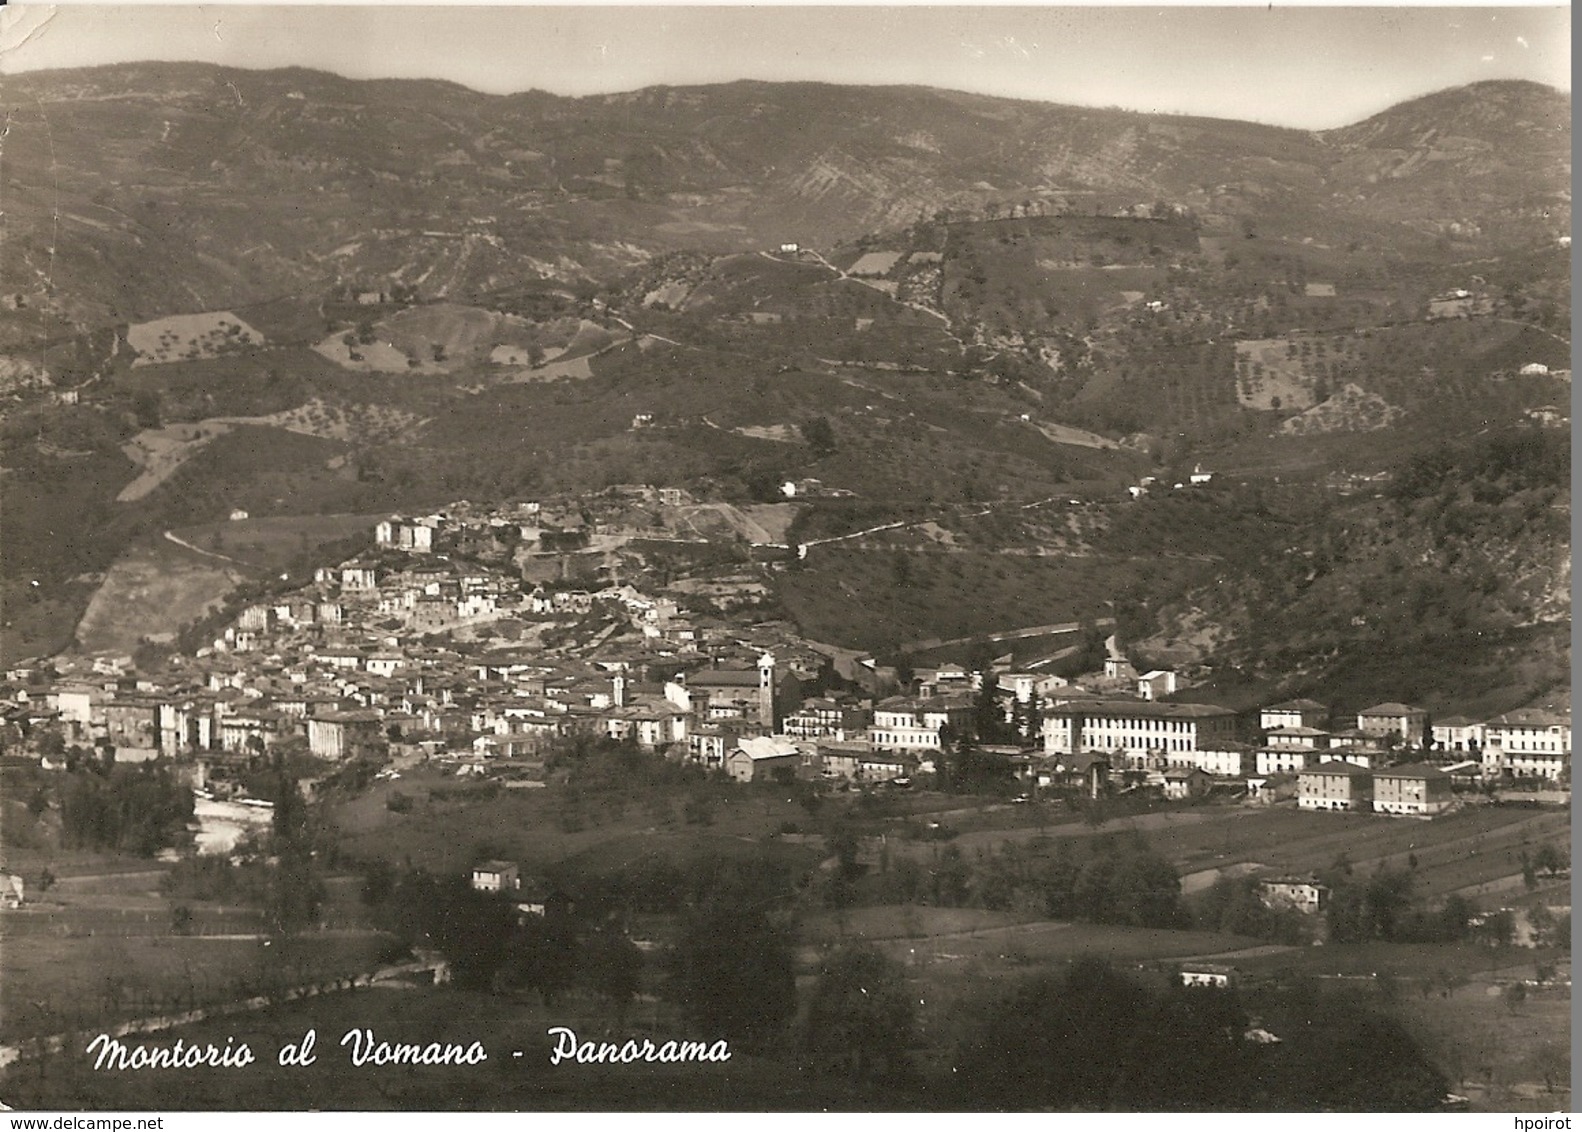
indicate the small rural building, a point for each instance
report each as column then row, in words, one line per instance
column 842, row 758
column 1305, row 894
column 496, row 876
column 1087, row 770
column 882, row 766
column 1208, row 975
column 532, row 898
column 1156, row 684
column 1184, row 783
column 1416, row 788
column 1335, row 785
column 1267, row 789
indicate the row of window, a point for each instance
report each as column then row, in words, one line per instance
column 903, row 739
column 1138, row 743
column 1135, row 724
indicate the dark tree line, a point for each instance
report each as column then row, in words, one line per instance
column 1092, row 1039
column 130, row 809
column 1109, row 879
column 729, row 970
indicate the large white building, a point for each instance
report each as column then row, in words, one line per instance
column 1294, row 713
column 1528, row 743
column 1223, row 760
column 905, row 724
column 1136, row 728
column 1457, row 733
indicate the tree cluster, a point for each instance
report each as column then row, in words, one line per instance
column 1235, row 906
column 1384, row 907
column 1094, row 1040
column 1110, row 879
column 130, row 809
column 731, row 971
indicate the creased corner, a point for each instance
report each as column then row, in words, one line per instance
column 19, row 26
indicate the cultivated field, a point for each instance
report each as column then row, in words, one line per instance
column 1454, row 853
column 185, row 337
column 364, row 423
column 371, row 357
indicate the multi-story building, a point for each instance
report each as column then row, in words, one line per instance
column 1136, row 728
column 1335, row 785
column 901, row 723
column 1415, row 788
column 1302, row 738
column 1457, row 733
column 1284, row 760
column 132, row 722
column 1528, row 743
column 1409, row 724
column 186, row 725
column 650, row 725
column 1294, row 713
column 826, row 718
column 837, row 758
column 1223, row 760
column 337, row 734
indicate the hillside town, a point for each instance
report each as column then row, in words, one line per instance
column 424, row 648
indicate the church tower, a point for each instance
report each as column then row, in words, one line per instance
column 766, row 691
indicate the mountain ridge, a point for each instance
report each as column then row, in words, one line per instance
column 152, row 176
column 1481, row 86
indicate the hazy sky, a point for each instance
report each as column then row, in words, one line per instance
column 1299, row 66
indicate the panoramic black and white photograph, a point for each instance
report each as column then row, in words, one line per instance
column 785, row 559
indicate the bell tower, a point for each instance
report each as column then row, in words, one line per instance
column 766, row 691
